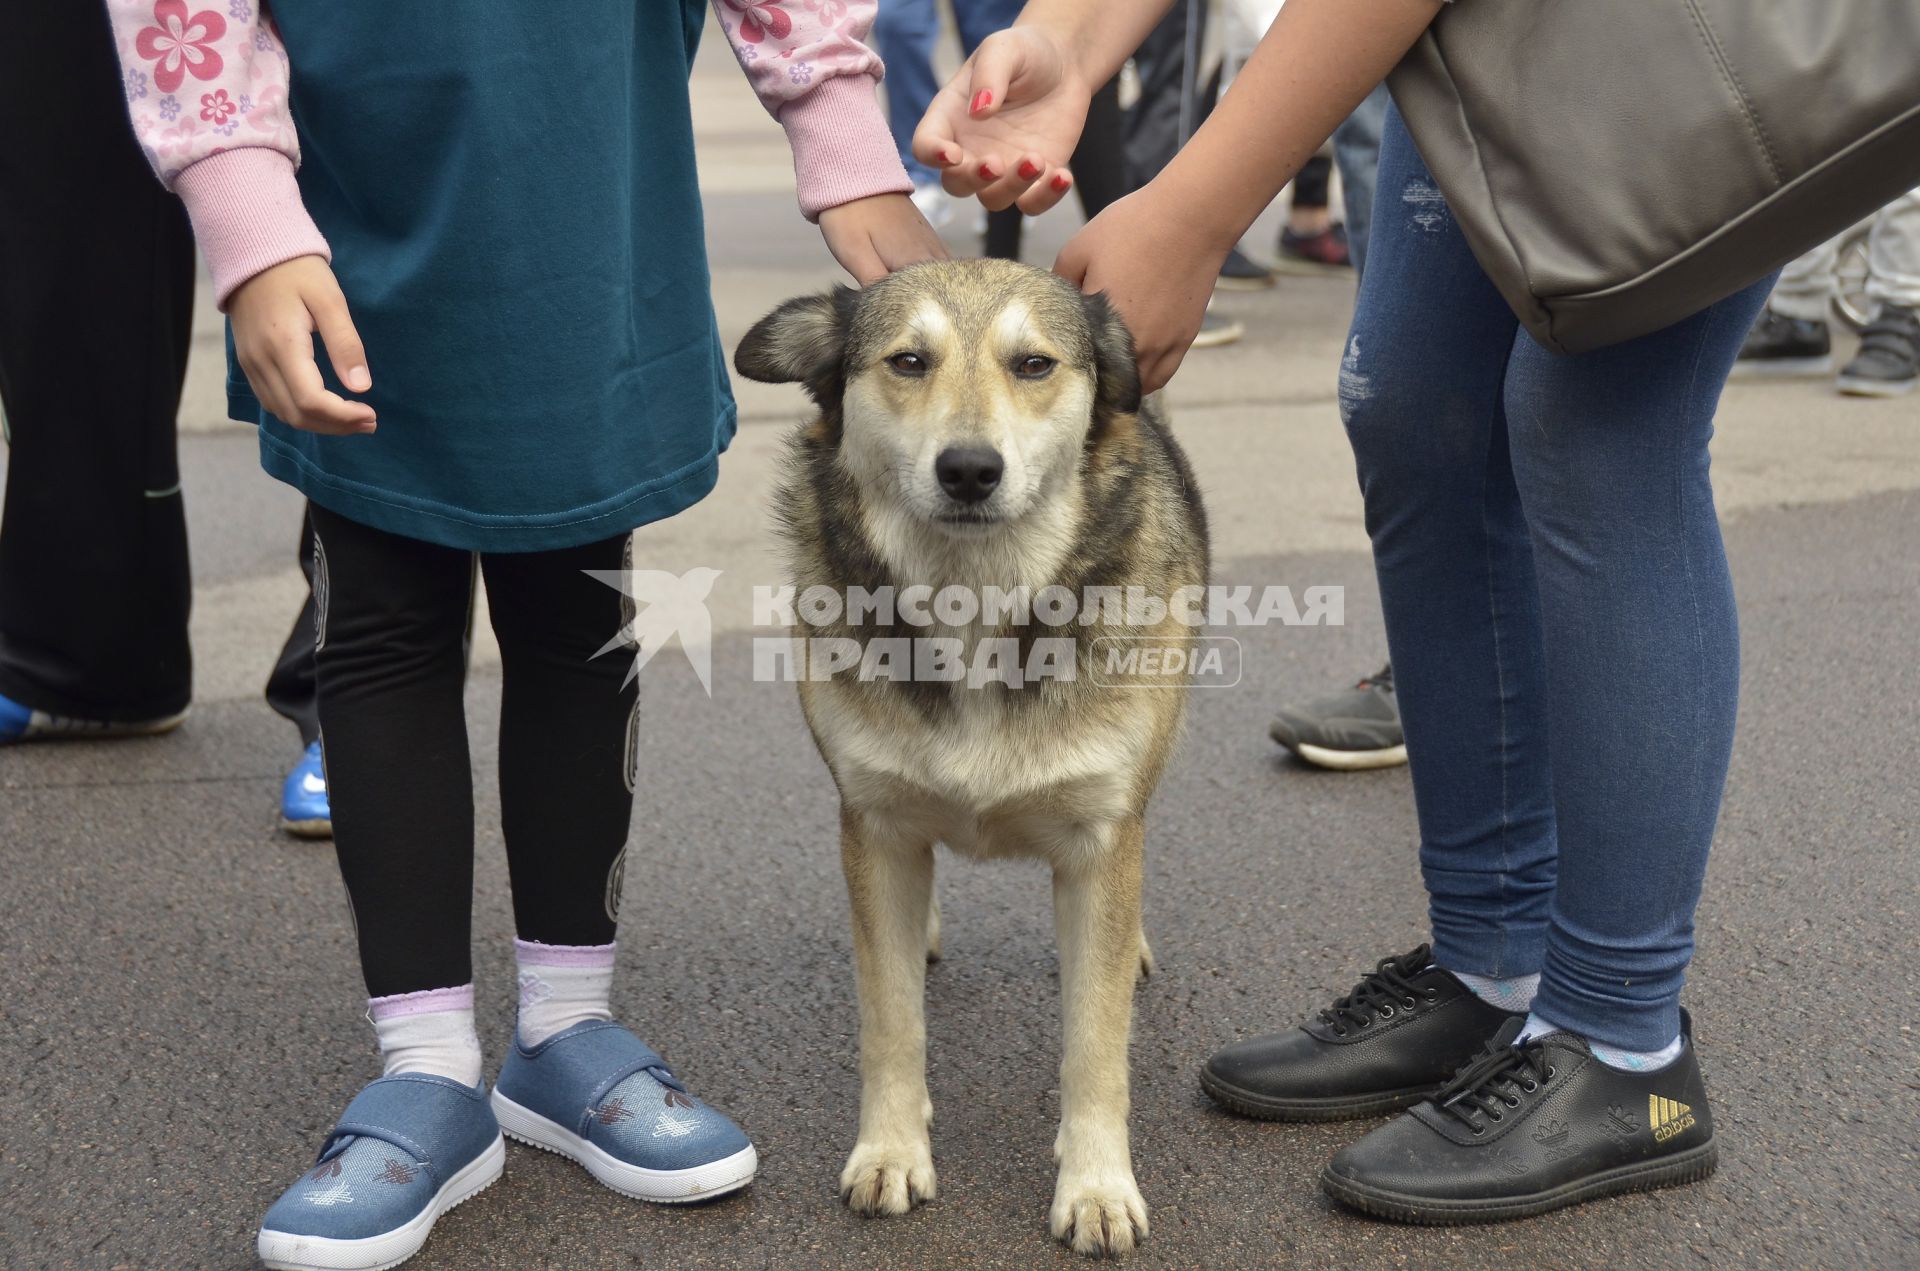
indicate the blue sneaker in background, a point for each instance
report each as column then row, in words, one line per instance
column 407, row 1149
column 600, row 1096
column 304, row 810
column 19, row 722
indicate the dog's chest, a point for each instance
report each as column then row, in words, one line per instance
column 989, row 778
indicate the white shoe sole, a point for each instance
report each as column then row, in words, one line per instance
column 1781, row 368
column 318, row 828
column 1857, row 386
column 1352, row 760
column 285, row 1251
column 661, row 1186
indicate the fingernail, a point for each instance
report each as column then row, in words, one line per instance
column 1060, row 181
column 358, row 380
column 948, row 158
column 1029, row 169
column 986, row 172
column 981, row 100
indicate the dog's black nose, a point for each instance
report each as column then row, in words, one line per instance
column 969, row 473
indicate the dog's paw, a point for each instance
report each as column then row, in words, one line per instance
column 1147, row 964
column 1099, row 1216
column 883, row 1179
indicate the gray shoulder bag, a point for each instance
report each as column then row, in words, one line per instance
column 1617, row 165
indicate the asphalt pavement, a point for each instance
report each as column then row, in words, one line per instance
column 182, row 1012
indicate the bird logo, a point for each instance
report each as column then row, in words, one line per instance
column 663, row 606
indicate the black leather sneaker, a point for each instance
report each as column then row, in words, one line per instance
column 1391, row 1042
column 1530, row 1128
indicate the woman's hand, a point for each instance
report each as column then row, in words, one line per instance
column 275, row 314
column 1162, row 301
column 874, row 236
column 1005, row 126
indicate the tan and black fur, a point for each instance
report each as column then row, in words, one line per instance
column 1095, row 493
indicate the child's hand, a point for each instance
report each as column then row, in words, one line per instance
column 275, row 314
column 874, row 236
column 1162, row 302
column 1005, row 126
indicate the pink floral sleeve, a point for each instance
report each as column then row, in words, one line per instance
column 810, row 68
column 207, row 89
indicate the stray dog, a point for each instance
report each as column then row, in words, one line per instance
column 981, row 427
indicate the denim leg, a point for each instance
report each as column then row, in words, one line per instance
column 904, row 33
column 1643, row 655
column 1421, row 394
column 975, row 20
column 1356, row 152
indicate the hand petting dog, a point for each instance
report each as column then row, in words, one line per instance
column 874, row 236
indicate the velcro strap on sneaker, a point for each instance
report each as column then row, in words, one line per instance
column 437, row 1121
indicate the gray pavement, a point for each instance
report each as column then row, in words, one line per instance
column 183, row 1012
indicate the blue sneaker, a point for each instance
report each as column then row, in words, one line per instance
column 407, row 1149
column 304, row 810
column 19, row 722
column 599, row 1096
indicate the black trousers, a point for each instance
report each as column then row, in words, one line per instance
column 96, row 305
column 1099, row 174
column 392, row 669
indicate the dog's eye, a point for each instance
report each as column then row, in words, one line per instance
column 1033, row 368
column 908, row 363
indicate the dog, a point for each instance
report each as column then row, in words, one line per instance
column 981, row 427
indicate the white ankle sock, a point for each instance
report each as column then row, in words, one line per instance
column 561, row 985
column 1611, row 1056
column 1514, row 993
column 428, row 1032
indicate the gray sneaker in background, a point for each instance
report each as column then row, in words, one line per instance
column 1351, row 730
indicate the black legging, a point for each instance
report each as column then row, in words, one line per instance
column 1099, row 174
column 392, row 669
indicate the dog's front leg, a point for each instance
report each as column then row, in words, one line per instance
column 1097, row 1208
column 890, row 882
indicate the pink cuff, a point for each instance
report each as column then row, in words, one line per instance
column 247, row 215
column 842, row 150
column 533, row 953
column 393, row 1007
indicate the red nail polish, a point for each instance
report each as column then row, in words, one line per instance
column 1029, row 169
column 986, row 173
column 1060, row 181
column 948, row 158
column 981, row 100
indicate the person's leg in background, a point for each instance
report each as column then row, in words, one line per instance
column 1356, row 152
column 569, row 762
column 1310, row 235
column 904, row 34
column 1151, row 126
column 1888, row 364
column 94, row 583
column 1099, row 174
column 291, row 692
column 1792, row 335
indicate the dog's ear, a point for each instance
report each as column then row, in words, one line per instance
column 1117, row 374
column 803, row 341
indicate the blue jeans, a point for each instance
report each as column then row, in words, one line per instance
column 1356, row 152
column 904, row 34
column 1558, row 607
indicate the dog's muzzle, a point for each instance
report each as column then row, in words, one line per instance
column 969, row 474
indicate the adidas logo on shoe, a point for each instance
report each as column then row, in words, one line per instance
column 1667, row 1117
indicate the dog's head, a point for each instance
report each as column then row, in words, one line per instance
column 964, row 393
